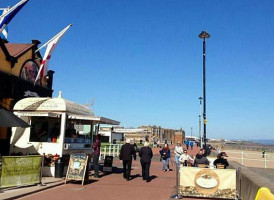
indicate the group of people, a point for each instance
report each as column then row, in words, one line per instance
column 128, row 153
column 189, row 143
column 181, row 157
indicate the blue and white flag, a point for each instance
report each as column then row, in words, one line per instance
column 4, row 34
column 6, row 17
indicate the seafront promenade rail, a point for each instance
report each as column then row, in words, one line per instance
column 252, row 158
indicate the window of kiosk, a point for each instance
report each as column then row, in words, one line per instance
column 77, row 132
column 45, row 129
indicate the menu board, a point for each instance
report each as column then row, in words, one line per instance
column 208, row 183
column 20, row 170
column 77, row 167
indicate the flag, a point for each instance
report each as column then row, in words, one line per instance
column 51, row 45
column 5, row 18
column 4, row 34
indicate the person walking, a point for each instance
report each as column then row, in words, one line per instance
column 178, row 150
column 218, row 149
column 187, row 144
column 145, row 154
column 126, row 154
column 165, row 156
column 191, row 144
column 96, row 147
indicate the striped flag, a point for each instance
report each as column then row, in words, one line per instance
column 6, row 17
column 4, row 34
column 51, row 45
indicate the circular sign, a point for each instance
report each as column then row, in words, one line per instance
column 29, row 71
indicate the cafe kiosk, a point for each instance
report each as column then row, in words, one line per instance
column 52, row 131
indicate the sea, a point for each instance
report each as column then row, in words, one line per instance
column 264, row 142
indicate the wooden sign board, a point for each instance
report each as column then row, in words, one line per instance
column 77, row 167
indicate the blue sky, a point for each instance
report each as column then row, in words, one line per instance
column 141, row 60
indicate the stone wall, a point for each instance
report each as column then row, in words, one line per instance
column 249, row 180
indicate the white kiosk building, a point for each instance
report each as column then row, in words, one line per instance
column 52, row 130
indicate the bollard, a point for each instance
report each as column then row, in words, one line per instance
column 41, row 171
column 265, row 161
column 177, row 195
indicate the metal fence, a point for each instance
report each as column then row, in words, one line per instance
column 110, row 150
column 252, row 159
column 244, row 147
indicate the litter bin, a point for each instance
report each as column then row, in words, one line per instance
column 59, row 168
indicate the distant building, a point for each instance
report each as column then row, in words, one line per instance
column 163, row 134
column 141, row 134
column 135, row 134
column 108, row 134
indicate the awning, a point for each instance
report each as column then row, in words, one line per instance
column 97, row 119
column 37, row 114
column 8, row 119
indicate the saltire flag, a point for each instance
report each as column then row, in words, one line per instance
column 6, row 17
column 4, row 34
column 51, row 45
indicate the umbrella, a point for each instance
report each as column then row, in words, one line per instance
column 8, row 119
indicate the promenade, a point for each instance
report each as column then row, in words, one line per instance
column 110, row 186
column 113, row 186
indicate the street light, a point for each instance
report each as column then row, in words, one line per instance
column 200, row 125
column 204, row 35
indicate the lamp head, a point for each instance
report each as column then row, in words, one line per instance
column 204, row 35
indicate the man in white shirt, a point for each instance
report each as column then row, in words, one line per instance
column 178, row 150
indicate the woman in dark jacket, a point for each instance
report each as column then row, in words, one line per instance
column 165, row 156
column 145, row 154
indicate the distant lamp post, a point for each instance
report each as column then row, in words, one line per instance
column 200, row 124
column 204, row 35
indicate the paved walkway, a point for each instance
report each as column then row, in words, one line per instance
column 109, row 186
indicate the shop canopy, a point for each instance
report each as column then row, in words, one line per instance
column 52, row 107
column 100, row 120
column 8, row 119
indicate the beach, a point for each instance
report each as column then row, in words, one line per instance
column 248, row 153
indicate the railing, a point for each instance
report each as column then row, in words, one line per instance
column 110, row 150
column 245, row 147
column 252, row 159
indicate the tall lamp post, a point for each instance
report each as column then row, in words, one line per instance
column 204, row 35
column 200, row 125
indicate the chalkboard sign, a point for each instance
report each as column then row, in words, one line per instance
column 77, row 167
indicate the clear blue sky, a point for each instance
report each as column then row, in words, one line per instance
column 141, row 60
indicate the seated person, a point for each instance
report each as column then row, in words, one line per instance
column 201, row 159
column 221, row 160
column 43, row 132
column 55, row 132
column 185, row 158
column 71, row 132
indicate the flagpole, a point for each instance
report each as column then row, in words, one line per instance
column 6, row 21
column 13, row 8
column 58, row 36
column 3, row 27
column 61, row 32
